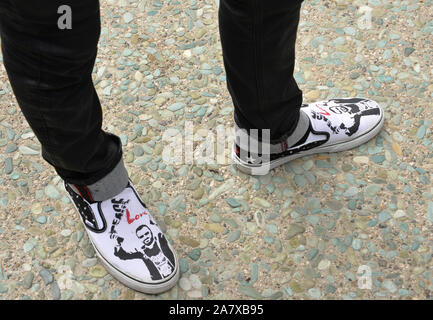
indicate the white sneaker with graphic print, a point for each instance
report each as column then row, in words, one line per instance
column 329, row 126
column 127, row 240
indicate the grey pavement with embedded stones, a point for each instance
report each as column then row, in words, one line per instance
column 350, row 225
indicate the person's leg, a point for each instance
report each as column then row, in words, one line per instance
column 258, row 41
column 50, row 72
column 50, row 69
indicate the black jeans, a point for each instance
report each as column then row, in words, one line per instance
column 49, row 69
column 258, row 40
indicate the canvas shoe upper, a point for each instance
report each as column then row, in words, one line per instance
column 333, row 125
column 127, row 239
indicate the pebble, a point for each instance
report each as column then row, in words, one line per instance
column 8, row 165
column 195, row 281
column 314, row 293
column 28, row 280
column 233, row 203
column 294, row 230
column 46, row 276
column 185, row 284
column 233, row 236
column 195, row 254
column 55, row 291
column 98, row 271
column 52, row 192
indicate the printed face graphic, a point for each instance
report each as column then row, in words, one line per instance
column 145, row 235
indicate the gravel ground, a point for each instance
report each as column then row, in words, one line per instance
column 350, row 225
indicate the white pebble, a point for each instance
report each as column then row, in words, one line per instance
column 194, row 294
column 195, row 281
column 185, row 284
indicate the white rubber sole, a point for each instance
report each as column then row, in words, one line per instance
column 148, row 288
column 264, row 169
column 144, row 287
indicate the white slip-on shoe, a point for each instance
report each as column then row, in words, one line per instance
column 127, row 240
column 334, row 125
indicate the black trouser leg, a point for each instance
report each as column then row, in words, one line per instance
column 258, row 40
column 50, row 69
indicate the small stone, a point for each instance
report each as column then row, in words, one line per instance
column 314, row 293
column 28, row 280
column 28, row 151
column 128, row 17
column 324, row 264
column 52, row 192
column 250, row 292
column 185, row 284
column 384, row 216
column 194, row 294
column 195, row 254
column 430, row 212
column 408, row 51
column 29, row 245
column 55, row 291
column 176, row 106
column 66, row 232
column 312, row 253
column 262, row 202
column 98, row 271
column 41, row 219
column 233, row 202
column 195, row 281
column 46, row 276
column 3, row 288
column 399, row 214
column 214, row 227
column 189, row 241
column 356, row 244
column 233, row 236
column 294, row 230
column 390, row 286
column 138, row 76
column 228, row 185
column 372, row 190
column 11, row 148
column 361, row 160
column 8, row 165
column 271, row 228
column 87, row 263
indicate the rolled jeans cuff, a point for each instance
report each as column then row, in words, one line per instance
column 107, row 187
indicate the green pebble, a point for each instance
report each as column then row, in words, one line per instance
column 3, row 288
column 357, row 244
column 233, row 202
column 28, row 280
column 408, row 51
column 271, row 228
column 233, row 236
column 195, row 254
column 312, row 253
column 41, row 219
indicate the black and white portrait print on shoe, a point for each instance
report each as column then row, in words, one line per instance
column 131, row 245
column 345, row 115
column 154, row 251
column 331, row 126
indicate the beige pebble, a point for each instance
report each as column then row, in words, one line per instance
column 324, row 264
column 361, row 159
